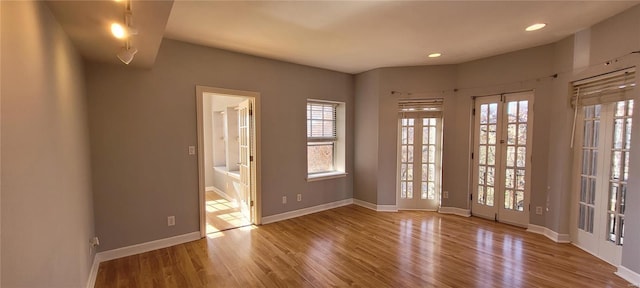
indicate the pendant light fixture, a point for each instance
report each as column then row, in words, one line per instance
column 127, row 53
column 125, row 32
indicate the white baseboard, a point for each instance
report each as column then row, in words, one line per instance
column 553, row 235
column 305, row 211
column 137, row 249
column 629, row 275
column 387, row 208
column 220, row 192
column 375, row 207
column 365, row 204
column 455, row 211
column 147, row 246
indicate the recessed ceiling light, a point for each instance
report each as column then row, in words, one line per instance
column 118, row 31
column 535, row 27
column 435, row 55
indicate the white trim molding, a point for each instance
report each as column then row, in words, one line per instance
column 147, row 246
column 375, row 207
column 553, row 235
column 93, row 274
column 137, row 249
column 326, row 176
column 305, row 211
column 629, row 275
column 221, row 193
column 455, row 211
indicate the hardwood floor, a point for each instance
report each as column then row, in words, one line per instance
column 222, row 214
column 354, row 246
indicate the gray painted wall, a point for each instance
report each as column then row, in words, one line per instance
column 559, row 154
column 366, row 137
column 143, row 120
column 47, row 208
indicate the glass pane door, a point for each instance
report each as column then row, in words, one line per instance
column 501, row 167
column 430, row 179
column 619, row 174
column 589, row 169
column 603, row 171
column 419, row 162
column 244, row 141
column 487, row 148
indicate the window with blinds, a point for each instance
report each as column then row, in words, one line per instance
column 321, row 137
column 423, row 107
column 611, row 87
column 321, row 121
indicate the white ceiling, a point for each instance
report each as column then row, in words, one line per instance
column 355, row 36
column 347, row 36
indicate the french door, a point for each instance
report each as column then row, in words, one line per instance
column 501, row 157
column 246, row 150
column 419, row 169
column 602, row 172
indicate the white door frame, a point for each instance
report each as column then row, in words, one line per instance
column 255, row 189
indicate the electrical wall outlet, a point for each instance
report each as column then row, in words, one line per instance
column 445, row 194
column 171, row 221
column 284, row 199
column 299, row 197
column 539, row 210
column 192, row 150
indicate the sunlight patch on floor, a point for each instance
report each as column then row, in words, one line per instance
column 223, row 214
column 214, row 235
column 220, row 205
column 234, row 218
column 248, row 228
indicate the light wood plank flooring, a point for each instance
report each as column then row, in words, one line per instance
column 354, row 246
column 222, row 214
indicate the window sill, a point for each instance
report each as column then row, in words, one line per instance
column 325, row 176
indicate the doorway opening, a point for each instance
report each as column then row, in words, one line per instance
column 227, row 157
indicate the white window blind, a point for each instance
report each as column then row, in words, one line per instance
column 606, row 88
column 321, row 121
column 423, row 107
